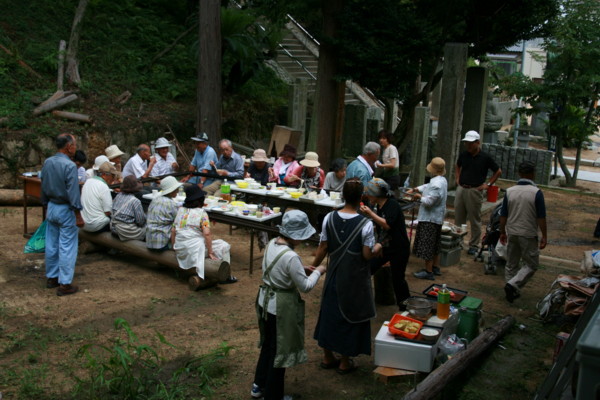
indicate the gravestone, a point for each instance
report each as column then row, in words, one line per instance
column 420, row 146
column 474, row 111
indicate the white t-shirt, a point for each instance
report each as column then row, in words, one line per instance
column 368, row 237
column 390, row 152
column 95, row 200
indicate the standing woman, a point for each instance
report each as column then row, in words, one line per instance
column 280, row 308
column 431, row 218
column 347, row 302
column 390, row 160
column 391, row 233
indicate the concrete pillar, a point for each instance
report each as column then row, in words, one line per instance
column 436, row 95
column 355, row 129
column 475, row 99
column 420, row 146
column 298, row 108
column 451, row 106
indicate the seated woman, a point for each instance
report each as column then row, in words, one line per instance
column 308, row 173
column 283, row 167
column 192, row 239
column 259, row 167
column 161, row 214
column 334, row 180
column 128, row 219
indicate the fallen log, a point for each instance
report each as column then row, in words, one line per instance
column 72, row 116
column 14, row 197
column 215, row 271
column 42, row 108
column 59, row 94
column 123, row 97
column 440, row 377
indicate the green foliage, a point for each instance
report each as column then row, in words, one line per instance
column 128, row 369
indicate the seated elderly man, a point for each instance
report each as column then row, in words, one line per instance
column 161, row 214
column 98, row 161
column 230, row 166
column 141, row 164
column 128, row 220
column 203, row 155
column 165, row 162
column 96, row 199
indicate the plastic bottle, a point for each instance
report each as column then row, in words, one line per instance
column 226, row 191
column 443, row 305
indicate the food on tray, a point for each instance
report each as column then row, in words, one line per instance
column 407, row 326
column 436, row 290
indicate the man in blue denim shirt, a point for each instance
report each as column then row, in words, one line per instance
column 60, row 193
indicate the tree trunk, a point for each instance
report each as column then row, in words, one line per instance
column 329, row 99
column 431, row 386
column 72, row 63
column 561, row 161
column 62, row 45
column 209, row 70
column 72, row 116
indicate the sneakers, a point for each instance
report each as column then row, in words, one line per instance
column 423, row 274
column 51, row 283
column 437, row 271
column 472, row 251
column 511, row 293
column 256, row 391
column 65, row 290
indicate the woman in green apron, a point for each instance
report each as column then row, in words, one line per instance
column 280, row 308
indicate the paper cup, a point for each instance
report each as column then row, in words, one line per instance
column 463, row 228
column 276, row 210
column 154, row 192
column 259, row 214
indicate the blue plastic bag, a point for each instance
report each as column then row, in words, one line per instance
column 37, row 242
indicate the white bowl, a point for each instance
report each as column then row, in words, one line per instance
column 254, row 185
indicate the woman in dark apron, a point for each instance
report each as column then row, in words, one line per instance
column 347, row 302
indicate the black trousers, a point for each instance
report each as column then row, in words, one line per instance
column 398, row 264
column 268, row 378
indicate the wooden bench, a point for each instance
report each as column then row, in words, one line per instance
column 215, row 271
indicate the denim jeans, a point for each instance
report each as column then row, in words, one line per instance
column 61, row 243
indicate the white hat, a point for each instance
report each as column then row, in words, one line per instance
column 295, row 225
column 161, row 142
column 99, row 161
column 471, row 136
column 311, row 159
column 168, row 185
column 113, row 151
column 260, row 155
column 200, row 137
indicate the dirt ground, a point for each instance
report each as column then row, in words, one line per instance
column 153, row 299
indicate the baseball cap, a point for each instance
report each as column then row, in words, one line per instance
column 471, row 136
column 200, row 137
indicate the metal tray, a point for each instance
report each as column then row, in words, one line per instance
column 458, row 294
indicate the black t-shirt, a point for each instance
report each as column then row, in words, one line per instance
column 259, row 175
column 473, row 169
column 395, row 239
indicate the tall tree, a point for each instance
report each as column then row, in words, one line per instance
column 571, row 83
column 72, row 61
column 209, row 70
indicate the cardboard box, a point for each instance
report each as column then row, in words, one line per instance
column 410, row 356
column 281, row 136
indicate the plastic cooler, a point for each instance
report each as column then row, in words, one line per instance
column 588, row 356
column 469, row 311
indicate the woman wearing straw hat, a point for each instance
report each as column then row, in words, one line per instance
column 431, row 218
column 161, row 214
column 192, row 240
column 308, row 173
column 391, row 233
column 259, row 167
column 128, row 220
column 347, row 304
column 280, row 308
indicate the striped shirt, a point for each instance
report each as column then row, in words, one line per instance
column 128, row 209
column 161, row 214
column 163, row 166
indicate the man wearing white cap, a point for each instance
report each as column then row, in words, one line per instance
column 96, row 199
column 92, row 172
column 471, row 171
column 203, row 155
column 114, row 155
column 165, row 162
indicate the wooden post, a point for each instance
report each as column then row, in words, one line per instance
column 440, row 377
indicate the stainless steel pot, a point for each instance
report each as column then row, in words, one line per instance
column 418, row 307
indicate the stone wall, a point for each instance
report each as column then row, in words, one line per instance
column 509, row 158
